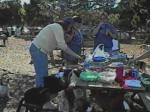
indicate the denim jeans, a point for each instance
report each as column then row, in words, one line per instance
column 40, row 61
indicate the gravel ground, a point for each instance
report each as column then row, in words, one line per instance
column 18, row 74
column 15, row 57
column 15, row 71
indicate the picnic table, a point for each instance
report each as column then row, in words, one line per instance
column 76, row 82
column 113, row 90
column 114, row 93
column 145, row 96
column 97, row 85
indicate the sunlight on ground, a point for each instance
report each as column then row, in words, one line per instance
column 15, row 57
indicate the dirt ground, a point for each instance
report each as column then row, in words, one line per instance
column 15, row 56
column 14, row 65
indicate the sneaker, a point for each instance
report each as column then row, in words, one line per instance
column 50, row 105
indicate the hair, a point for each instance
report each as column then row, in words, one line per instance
column 68, row 20
column 64, row 25
column 105, row 14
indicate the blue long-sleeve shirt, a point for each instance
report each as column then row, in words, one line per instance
column 103, row 38
column 75, row 45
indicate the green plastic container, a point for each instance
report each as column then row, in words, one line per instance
column 89, row 76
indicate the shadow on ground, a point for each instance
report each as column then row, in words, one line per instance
column 2, row 46
column 3, row 102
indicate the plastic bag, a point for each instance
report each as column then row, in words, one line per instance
column 107, row 76
column 99, row 55
column 99, row 51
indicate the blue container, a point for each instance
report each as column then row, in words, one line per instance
column 86, row 65
column 99, row 59
column 60, row 74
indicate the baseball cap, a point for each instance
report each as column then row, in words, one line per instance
column 77, row 19
column 68, row 20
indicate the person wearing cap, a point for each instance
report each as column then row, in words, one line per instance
column 75, row 43
column 105, row 33
column 47, row 40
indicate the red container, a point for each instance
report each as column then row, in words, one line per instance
column 119, row 74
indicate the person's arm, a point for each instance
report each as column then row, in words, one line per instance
column 113, row 35
column 59, row 35
column 143, row 56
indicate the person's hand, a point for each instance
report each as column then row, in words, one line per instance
column 108, row 33
column 82, row 58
